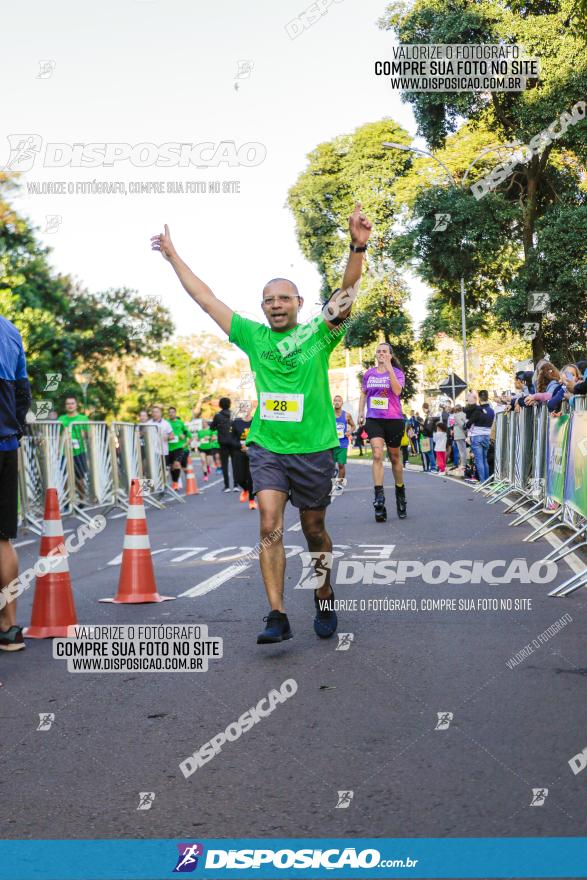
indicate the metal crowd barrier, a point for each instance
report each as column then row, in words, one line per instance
column 546, row 472
column 575, row 508
column 95, row 477
column 128, row 458
column 91, row 469
column 154, row 466
column 45, row 460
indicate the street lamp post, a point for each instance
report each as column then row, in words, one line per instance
column 456, row 185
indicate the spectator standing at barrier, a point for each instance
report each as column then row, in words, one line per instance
column 452, row 452
column 428, row 429
column 15, row 401
column 548, row 383
column 179, row 449
column 460, row 438
column 570, row 374
column 72, row 420
column 222, row 423
column 414, row 424
column 440, row 437
column 523, row 386
column 579, row 387
column 480, row 416
column 164, row 432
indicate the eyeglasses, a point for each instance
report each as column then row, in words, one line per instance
column 281, row 297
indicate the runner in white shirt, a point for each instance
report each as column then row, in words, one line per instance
column 165, row 431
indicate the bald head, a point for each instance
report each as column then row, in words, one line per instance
column 280, row 285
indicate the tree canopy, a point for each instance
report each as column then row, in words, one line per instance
column 356, row 167
column 66, row 329
column 510, row 242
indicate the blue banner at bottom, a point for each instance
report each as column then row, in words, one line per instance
column 372, row 858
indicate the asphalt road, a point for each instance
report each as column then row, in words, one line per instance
column 371, row 730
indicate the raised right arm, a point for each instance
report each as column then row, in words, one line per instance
column 197, row 289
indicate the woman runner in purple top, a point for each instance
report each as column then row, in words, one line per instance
column 385, row 424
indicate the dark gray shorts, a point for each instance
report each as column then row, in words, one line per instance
column 306, row 477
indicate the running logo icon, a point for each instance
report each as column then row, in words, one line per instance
column 46, row 68
column 345, row 641
column 539, row 795
column 53, row 380
column 187, row 861
column 53, row 222
column 530, row 330
column 46, row 719
column 316, row 566
column 344, row 800
column 444, row 719
column 42, row 408
column 23, row 151
column 146, row 799
column 441, row 222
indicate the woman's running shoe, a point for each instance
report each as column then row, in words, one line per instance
column 400, row 501
column 244, row 496
column 379, row 505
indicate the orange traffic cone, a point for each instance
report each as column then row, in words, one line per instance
column 191, row 485
column 137, row 578
column 53, row 606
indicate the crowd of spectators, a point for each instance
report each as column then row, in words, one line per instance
column 461, row 437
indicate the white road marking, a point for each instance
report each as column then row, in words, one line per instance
column 118, row 559
column 209, row 485
column 212, row 583
column 297, row 527
column 218, row 555
column 24, row 543
column 191, row 551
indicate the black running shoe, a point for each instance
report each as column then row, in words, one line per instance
column 326, row 621
column 277, row 629
column 400, row 501
column 379, row 505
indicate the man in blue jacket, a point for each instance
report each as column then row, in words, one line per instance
column 15, row 401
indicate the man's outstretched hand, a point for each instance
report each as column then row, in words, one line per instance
column 163, row 244
column 359, row 226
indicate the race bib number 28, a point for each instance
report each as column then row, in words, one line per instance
column 282, row 407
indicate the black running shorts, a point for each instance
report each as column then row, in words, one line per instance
column 305, row 477
column 390, row 430
column 180, row 455
column 9, row 494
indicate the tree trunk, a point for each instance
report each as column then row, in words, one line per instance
column 532, row 180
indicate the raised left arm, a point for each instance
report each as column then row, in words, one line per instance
column 340, row 304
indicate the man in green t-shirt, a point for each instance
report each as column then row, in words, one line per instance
column 72, row 417
column 179, row 448
column 290, row 443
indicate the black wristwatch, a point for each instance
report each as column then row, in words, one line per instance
column 357, row 250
